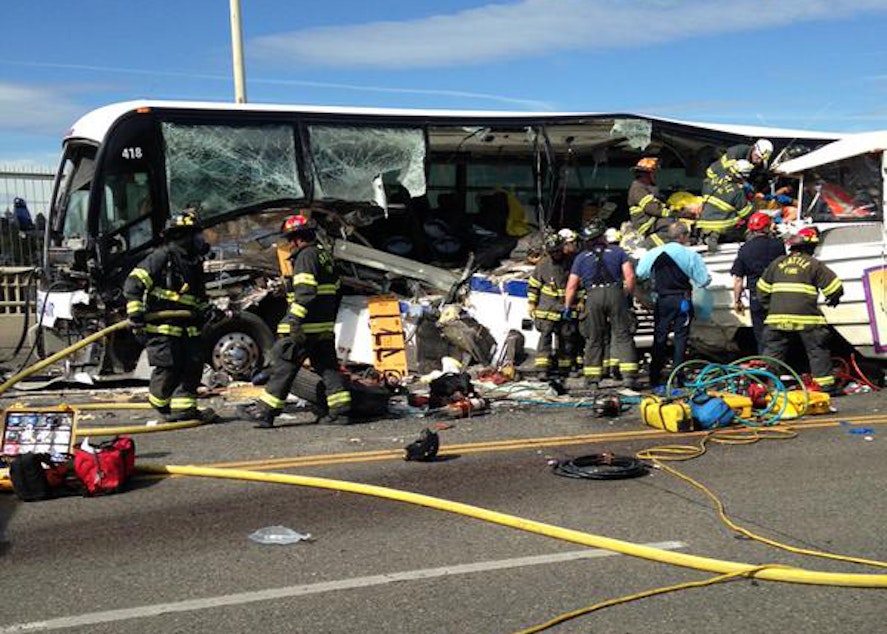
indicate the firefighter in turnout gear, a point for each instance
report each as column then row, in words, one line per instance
column 725, row 204
column 789, row 289
column 649, row 216
column 545, row 302
column 757, row 154
column 606, row 275
column 307, row 331
column 171, row 278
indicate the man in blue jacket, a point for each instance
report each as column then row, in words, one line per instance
column 674, row 269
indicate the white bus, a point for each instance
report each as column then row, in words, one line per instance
column 409, row 196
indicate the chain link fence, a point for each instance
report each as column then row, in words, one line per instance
column 25, row 195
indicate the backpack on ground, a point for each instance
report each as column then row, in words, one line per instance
column 35, row 476
column 105, row 468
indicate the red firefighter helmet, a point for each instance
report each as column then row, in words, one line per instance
column 804, row 237
column 297, row 223
column 759, row 221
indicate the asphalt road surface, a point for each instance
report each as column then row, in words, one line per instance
column 173, row 554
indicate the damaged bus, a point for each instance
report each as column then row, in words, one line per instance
column 427, row 205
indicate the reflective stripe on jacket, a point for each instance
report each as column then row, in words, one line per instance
column 789, row 289
column 649, row 215
column 548, row 288
column 167, row 279
column 315, row 296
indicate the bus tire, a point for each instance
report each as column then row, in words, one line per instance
column 238, row 345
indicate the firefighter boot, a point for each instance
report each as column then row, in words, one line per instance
column 257, row 412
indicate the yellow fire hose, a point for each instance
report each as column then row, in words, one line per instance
column 108, row 431
column 787, row 574
column 781, row 573
column 96, row 336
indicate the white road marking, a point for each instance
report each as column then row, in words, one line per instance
column 145, row 611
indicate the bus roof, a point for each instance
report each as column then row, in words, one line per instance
column 847, row 147
column 95, row 124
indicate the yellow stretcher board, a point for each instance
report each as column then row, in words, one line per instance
column 388, row 340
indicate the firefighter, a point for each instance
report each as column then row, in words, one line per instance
column 758, row 154
column 574, row 341
column 545, row 302
column 307, row 331
column 606, row 275
column 171, row 278
column 760, row 249
column 725, row 204
column 789, row 289
column 611, row 363
column 649, row 216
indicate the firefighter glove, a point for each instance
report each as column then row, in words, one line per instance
column 833, row 301
column 297, row 335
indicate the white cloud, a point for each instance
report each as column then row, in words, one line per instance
column 495, row 32
column 36, row 109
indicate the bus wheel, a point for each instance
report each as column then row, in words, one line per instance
column 237, row 346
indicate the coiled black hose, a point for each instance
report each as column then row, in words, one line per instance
column 601, row 466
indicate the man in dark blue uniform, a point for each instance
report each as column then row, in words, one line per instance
column 760, row 249
column 607, row 276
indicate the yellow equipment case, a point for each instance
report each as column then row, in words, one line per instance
column 817, row 403
column 667, row 414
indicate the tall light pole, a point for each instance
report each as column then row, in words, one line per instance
column 237, row 53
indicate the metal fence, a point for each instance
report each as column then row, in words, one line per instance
column 25, row 196
column 16, row 288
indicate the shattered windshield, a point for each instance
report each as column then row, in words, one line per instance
column 223, row 168
column 844, row 191
column 347, row 159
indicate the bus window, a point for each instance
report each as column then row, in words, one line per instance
column 75, row 215
column 346, row 159
column 844, row 191
column 70, row 208
column 225, row 168
column 126, row 210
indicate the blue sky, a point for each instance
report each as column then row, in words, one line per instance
column 809, row 64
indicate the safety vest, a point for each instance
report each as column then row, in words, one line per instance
column 789, row 288
column 315, row 294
